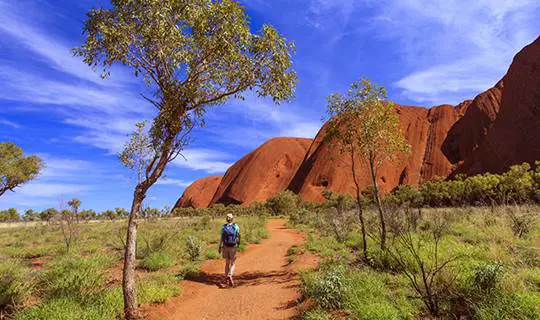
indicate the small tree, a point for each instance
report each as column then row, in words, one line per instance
column 15, row 168
column 48, row 214
column 418, row 256
column 109, row 214
column 366, row 124
column 30, row 215
column 88, row 215
column 194, row 54
column 121, row 213
column 69, row 227
column 10, row 215
column 74, row 205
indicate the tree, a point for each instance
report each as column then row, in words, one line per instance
column 69, row 226
column 121, row 213
column 193, row 54
column 109, row 214
column 88, row 215
column 48, row 214
column 30, row 215
column 366, row 123
column 15, row 168
column 10, row 215
column 74, row 205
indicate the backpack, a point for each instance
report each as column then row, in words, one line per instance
column 229, row 235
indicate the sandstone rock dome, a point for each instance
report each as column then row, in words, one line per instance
column 199, row 193
column 263, row 172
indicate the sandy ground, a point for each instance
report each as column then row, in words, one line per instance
column 266, row 284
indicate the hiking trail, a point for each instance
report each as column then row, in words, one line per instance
column 266, row 285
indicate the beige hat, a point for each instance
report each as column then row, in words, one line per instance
column 230, row 217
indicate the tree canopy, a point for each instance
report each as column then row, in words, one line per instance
column 363, row 119
column 15, row 168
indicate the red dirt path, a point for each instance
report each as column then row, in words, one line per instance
column 266, row 285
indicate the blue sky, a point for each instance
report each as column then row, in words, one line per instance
column 425, row 52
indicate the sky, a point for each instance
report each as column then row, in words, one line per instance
column 425, row 53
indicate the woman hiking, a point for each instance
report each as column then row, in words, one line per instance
column 230, row 239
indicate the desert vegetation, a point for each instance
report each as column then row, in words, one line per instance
column 73, row 270
column 450, row 254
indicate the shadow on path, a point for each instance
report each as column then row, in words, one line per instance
column 244, row 279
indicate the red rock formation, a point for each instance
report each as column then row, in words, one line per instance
column 514, row 136
column 498, row 128
column 263, row 172
column 199, row 193
column 470, row 131
column 424, row 129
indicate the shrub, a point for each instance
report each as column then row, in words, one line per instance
column 300, row 216
column 419, row 258
column 520, row 223
column 194, row 248
column 157, row 261
column 15, row 286
column 328, row 290
column 487, row 276
column 283, row 203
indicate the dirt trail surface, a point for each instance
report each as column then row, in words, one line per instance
column 266, row 285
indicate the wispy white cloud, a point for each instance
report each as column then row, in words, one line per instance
column 22, row 86
column 7, row 123
column 455, row 49
column 209, row 161
column 56, row 168
column 173, row 182
column 47, row 48
column 52, row 190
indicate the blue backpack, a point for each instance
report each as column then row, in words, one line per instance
column 229, row 235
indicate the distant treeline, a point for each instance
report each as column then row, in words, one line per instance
column 520, row 184
column 53, row 214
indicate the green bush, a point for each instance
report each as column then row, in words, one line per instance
column 15, row 285
column 328, row 289
column 156, row 261
column 487, row 276
column 194, row 248
column 283, row 203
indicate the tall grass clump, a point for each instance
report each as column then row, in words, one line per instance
column 155, row 261
column 15, row 286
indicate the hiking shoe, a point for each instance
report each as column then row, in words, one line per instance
column 230, row 281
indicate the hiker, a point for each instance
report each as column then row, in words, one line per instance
column 230, row 239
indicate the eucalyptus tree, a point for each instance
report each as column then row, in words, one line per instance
column 15, row 168
column 193, row 54
column 367, row 126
